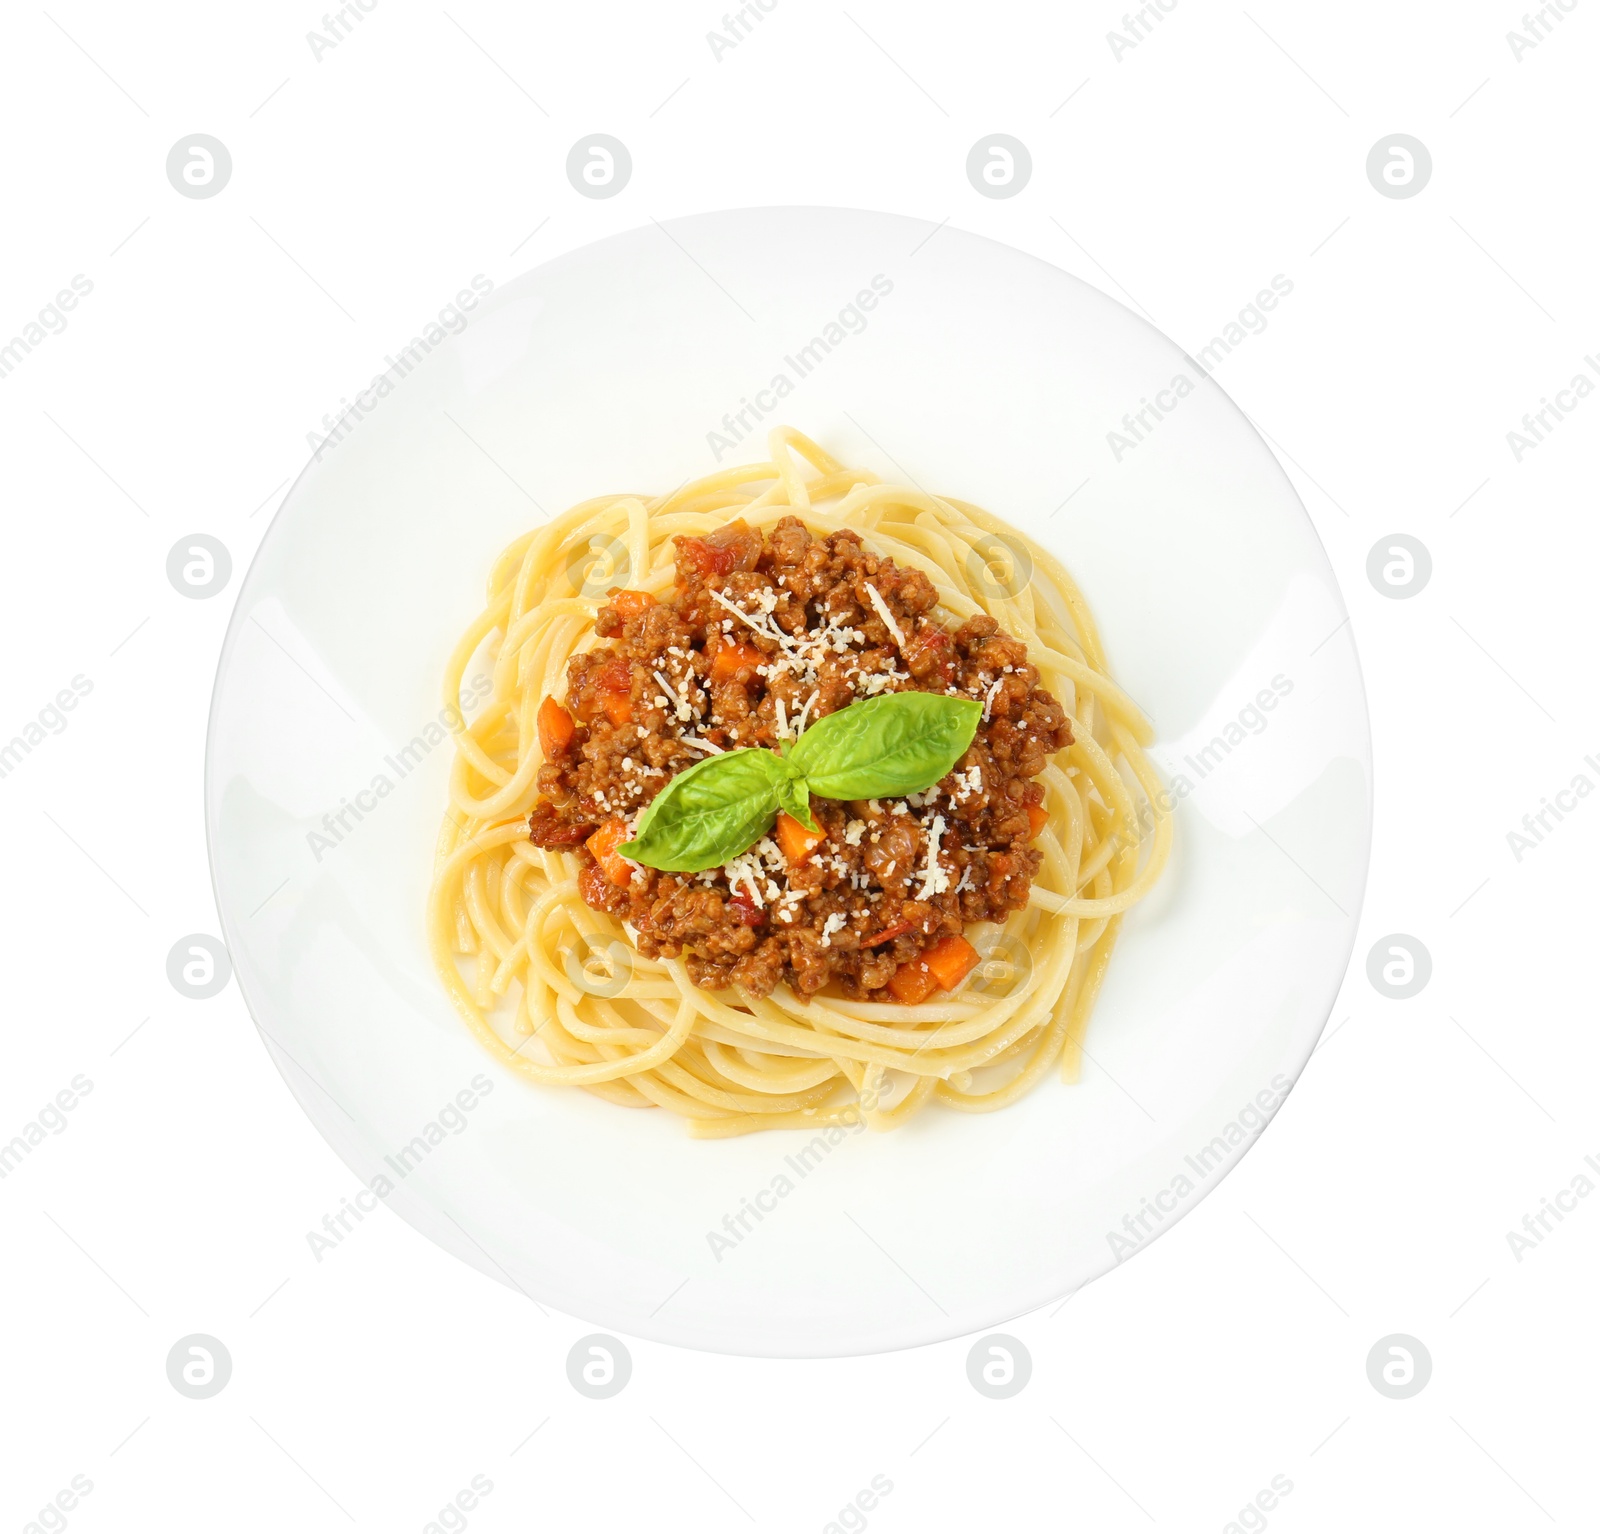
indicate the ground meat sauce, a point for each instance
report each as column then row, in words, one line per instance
column 867, row 902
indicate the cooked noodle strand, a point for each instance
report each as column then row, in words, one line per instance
column 558, row 992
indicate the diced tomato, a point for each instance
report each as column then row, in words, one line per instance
column 545, row 829
column 614, row 676
column 912, row 983
column 629, row 604
column 899, row 929
column 555, row 729
column 706, row 559
column 734, row 658
column 1038, row 819
column 601, row 689
column 932, row 652
column 559, row 836
column 999, row 871
column 747, row 911
column 734, row 547
column 613, row 685
column 951, row 960
column 595, row 889
column 603, row 845
column 796, row 842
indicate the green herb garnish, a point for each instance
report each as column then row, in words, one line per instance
column 898, row 744
column 884, row 747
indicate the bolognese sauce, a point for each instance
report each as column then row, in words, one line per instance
column 762, row 635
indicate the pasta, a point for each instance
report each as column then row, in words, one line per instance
column 558, row 993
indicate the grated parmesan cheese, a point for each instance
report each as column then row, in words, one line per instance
column 771, row 853
column 871, row 683
column 935, row 881
column 886, row 615
column 745, row 870
column 805, row 710
column 679, row 706
column 969, row 782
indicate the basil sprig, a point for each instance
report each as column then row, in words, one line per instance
column 884, row 747
column 898, row 744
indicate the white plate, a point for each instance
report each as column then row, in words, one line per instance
column 985, row 374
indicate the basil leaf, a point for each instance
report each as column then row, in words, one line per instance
column 709, row 813
column 897, row 744
column 793, row 799
column 887, row 746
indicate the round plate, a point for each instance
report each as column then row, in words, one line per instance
column 939, row 358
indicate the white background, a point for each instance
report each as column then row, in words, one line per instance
column 370, row 185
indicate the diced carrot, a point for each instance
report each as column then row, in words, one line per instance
column 912, row 983
column 555, row 729
column 612, row 687
column 629, row 604
column 1038, row 819
column 732, row 658
column 601, row 689
column 796, row 842
column 951, row 960
column 604, row 843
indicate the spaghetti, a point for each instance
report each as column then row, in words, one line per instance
column 558, row 992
